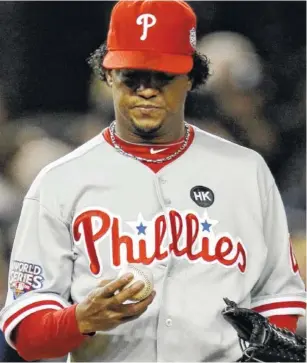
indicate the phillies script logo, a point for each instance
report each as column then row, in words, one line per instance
column 183, row 235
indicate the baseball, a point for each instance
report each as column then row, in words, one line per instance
column 141, row 273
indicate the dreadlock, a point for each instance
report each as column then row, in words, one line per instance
column 198, row 74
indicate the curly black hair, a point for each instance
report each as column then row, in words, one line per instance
column 198, row 74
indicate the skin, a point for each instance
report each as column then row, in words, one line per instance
column 163, row 123
column 103, row 309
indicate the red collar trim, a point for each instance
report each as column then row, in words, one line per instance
column 150, row 151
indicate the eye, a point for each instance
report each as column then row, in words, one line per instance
column 161, row 80
column 130, row 78
column 130, row 81
column 133, row 79
column 164, row 77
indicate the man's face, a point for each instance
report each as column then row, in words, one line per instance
column 147, row 99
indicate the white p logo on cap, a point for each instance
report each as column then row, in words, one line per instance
column 144, row 20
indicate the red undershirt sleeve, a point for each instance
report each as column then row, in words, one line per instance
column 285, row 321
column 48, row 334
column 52, row 334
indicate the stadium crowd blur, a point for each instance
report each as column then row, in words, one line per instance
column 50, row 103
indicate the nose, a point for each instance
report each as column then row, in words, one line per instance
column 146, row 92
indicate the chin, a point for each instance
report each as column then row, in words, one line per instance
column 147, row 127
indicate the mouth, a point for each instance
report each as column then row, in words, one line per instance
column 147, row 110
column 147, row 107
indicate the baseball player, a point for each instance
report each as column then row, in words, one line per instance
column 203, row 214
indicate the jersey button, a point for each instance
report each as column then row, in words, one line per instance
column 168, row 201
column 168, row 322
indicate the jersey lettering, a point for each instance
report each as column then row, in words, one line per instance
column 187, row 241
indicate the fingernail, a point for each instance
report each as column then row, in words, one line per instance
column 153, row 294
column 128, row 276
column 139, row 284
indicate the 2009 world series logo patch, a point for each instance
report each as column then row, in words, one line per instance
column 25, row 277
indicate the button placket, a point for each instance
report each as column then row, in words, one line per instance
column 168, row 322
column 163, row 181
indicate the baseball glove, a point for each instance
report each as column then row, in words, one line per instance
column 261, row 341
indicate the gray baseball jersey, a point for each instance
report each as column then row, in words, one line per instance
column 209, row 225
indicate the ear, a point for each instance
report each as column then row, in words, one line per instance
column 109, row 77
column 189, row 85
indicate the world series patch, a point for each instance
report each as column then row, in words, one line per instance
column 25, row 277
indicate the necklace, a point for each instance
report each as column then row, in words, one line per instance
column 139, row 158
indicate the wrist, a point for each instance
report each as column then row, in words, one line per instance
column 83, row 326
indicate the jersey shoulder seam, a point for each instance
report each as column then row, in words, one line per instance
column 53, row 214
column 48, row 169
column 267, row 196
column 210, row 136
column 70, row 157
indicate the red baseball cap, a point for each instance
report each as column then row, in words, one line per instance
column 157, row 35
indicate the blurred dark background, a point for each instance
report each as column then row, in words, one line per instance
column 50, row 103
